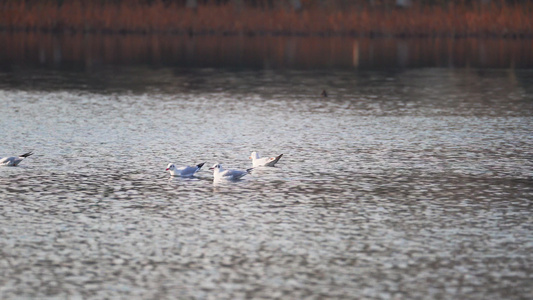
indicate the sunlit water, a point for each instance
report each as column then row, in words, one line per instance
column 409, row 184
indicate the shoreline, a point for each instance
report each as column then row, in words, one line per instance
column 211, row 33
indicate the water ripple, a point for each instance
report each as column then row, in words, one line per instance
column 387, row 190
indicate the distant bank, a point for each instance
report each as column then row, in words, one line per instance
column 502, row 19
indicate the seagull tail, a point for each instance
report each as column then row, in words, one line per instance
column 276, row 159
column 249, row 170
column 199, row 166
column 26, row 154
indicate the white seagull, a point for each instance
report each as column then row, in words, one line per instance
column 220, row 173
column 13, row 161
column 188, row 171
column 264, row 161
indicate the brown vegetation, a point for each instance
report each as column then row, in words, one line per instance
column 239, row 17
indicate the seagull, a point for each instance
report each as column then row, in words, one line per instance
column 264, row 161
column 188, row 171
column 13, row 161
column 219, row 173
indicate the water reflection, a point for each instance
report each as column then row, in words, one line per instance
column 87, row 52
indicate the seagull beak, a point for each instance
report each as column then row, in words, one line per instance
column 249, row 157
column 166, row 169
column 211, row 168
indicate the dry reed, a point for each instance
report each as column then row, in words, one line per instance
column 456, row 20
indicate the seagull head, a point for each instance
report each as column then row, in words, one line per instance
column 170, row 167
column 216, row 166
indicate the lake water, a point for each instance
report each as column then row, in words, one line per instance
column 412, row 183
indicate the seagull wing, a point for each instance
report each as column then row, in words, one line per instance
column 188, row 171
column 236, row 174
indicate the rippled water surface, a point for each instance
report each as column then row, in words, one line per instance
column 411, row 184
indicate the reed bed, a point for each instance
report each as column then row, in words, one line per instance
column 497, row 19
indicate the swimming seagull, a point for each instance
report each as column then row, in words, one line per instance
column 13, row 161
column 264, row 161
column 188, row 171
column 220, row 173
